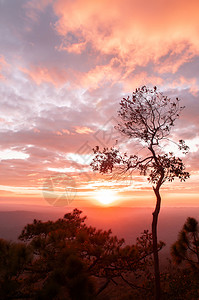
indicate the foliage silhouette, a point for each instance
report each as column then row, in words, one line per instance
column 14, row 258
column 148, row 118
column 186, row 248
column 59, row 262
column 66, row 259
column 179, row 283
column 181, row 279
column 101, row 254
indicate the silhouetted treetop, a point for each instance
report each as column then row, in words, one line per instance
column 148, row 115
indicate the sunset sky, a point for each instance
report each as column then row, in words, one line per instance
column 64, row 67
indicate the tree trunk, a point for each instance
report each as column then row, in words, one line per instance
column 157, row 295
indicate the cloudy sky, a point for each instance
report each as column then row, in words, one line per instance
column 64, row 66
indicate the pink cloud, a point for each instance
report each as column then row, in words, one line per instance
column 3, row 65
column 115, row 37
column 33, row 7
column 36, row 130
column 134, row 31
column 190, row 83
column 102, row 49
column 179, row 55
column 43, row 74
column 142, row 79
column 72, row 48
column 100, row 74
column 2, row 60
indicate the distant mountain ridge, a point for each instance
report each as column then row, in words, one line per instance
column 124, row 222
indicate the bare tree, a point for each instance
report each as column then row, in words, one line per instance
column 148, row 118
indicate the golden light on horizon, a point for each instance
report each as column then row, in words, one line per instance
column 105, row 196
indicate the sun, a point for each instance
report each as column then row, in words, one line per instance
column 106, row 197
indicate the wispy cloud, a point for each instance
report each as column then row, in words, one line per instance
column 65, row 65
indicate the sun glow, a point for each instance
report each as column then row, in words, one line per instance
column 106, row 197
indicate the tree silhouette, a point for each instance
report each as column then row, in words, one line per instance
column 148, row 118
column 186, row 248
column 68, row 255
column 66, row 259
column 58, row 269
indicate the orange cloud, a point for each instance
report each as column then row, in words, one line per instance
column 135, row 31
column 66, row 131
column 42, row 74
column 83, row 130
column 100, row 74
column 142, row 79
column 58, row 133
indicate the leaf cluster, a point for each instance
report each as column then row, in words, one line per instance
column 167, row 165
